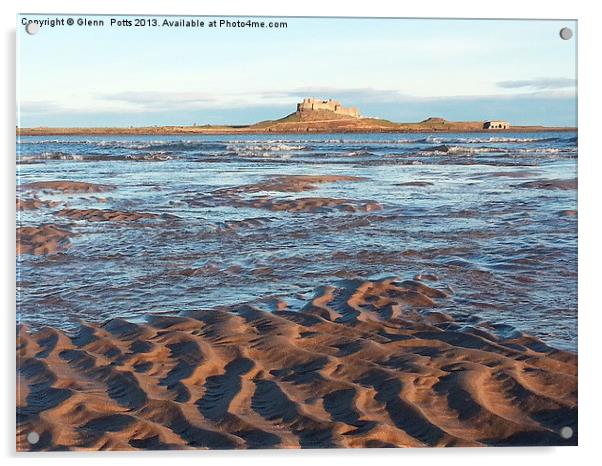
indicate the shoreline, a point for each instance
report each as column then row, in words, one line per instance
column 190, row 130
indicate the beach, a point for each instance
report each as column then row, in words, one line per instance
column 356, row 367
column 297, row 291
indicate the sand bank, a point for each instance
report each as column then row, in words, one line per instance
column 256, row 195
column 287, row 183
column 34, row 203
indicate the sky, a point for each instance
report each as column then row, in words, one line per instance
column 400, row 69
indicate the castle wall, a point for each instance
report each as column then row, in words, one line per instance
column 352, row 111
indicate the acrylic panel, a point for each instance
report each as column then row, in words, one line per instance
column 295, row 232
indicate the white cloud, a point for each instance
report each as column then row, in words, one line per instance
column 539, row 83
column 153, row 98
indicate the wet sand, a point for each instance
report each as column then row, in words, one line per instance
column 358, row 366
column 33, row 203
column 236, row 196
column 66, row 187
column 107, row 215
column 42, row 240
column 550, row 184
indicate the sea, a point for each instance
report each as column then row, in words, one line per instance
column 489, row 217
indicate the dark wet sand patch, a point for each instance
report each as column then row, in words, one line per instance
column 568, row 213
column 562, row 184
column 509, row 174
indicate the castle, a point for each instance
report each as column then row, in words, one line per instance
column 331, row 105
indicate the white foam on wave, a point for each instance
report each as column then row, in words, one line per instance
column 264, row 146
column 44, row 156
column 489, row 140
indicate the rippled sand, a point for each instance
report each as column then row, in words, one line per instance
column 42, row 240
column 66, row 186
column 357, row 367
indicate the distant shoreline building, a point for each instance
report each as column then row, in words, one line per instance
column 494, row 124
column 311, row 104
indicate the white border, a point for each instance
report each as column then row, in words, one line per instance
column 590, row 154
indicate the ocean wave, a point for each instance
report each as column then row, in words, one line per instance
column 300, row 144
column 53, row 141
column 267, row 146
column 138, row 145
column 445, row 149
column 50, row 156
column 174, row 146
column 359, row 153
column 153, row 157
column 254, row 154
column 492, row 139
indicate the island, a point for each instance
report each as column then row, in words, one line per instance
column 311, row 116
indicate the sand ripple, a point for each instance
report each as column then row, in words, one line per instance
column 361, row 364
column 289, row 183
column 252, row 195
column 107, row 215
column 34, row 203
column 66, row 187
column 45, row 239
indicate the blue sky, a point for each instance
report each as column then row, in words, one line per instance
column 399, row 69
